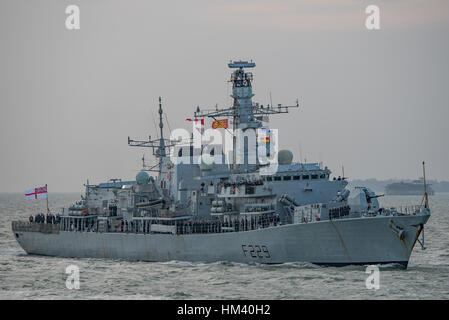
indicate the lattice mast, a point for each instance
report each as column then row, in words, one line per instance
column 243, row 111
column 159, row 146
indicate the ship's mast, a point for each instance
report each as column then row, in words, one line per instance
column 159, row 146
column 243, row 112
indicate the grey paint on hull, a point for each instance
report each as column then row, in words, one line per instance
column 337, row 242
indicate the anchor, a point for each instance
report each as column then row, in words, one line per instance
column 398, row 230
column 423, row 247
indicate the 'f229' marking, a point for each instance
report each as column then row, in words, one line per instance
column 255, row 251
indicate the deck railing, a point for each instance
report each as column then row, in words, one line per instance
column 136, row 226
column 35, row 227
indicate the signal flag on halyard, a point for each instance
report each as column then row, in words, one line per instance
column 263, row 118
column 36, row 193
column 200, row 130
column 220, row 124
column 196, row 120
column 265, row 134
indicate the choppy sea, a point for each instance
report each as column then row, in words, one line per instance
column 36, row 277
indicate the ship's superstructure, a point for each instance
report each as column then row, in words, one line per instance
column 208, row 204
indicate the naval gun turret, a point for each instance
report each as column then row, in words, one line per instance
column 364, row 200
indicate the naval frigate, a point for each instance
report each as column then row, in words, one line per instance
column 203, row 204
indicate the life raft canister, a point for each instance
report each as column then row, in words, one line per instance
column 84, row 212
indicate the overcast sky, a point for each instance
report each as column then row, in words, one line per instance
column 373, row 101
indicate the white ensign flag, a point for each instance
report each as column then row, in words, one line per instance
column 36, row 193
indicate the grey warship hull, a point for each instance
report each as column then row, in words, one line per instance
column 333, row 242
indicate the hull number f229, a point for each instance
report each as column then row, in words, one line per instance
column 255, row 251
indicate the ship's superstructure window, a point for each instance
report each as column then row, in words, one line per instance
column 250, row 190
column 277, row 178
column 286, row 178
column 296, row 177
column 270, row 178
column 323, row 176
column 305, row 177
column 314, row 176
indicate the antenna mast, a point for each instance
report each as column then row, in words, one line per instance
column 159, row 145
column 243, row 111
column 426, row 196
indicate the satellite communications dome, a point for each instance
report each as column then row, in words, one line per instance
column 206, row 161
column 285, row 157
column 142, row 177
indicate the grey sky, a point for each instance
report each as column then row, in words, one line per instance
column 374, row 101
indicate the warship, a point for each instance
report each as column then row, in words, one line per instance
column 249, row 203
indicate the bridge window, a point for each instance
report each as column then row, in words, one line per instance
column 306, row 177
column 296, row 177
column 323, row 176
column 277, row 178
column 314, row 176
column 287, row 178
column 269, row 178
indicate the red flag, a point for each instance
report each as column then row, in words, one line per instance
column 220, row 124
column 196, row 120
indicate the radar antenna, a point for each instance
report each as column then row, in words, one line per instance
column 243, row 111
